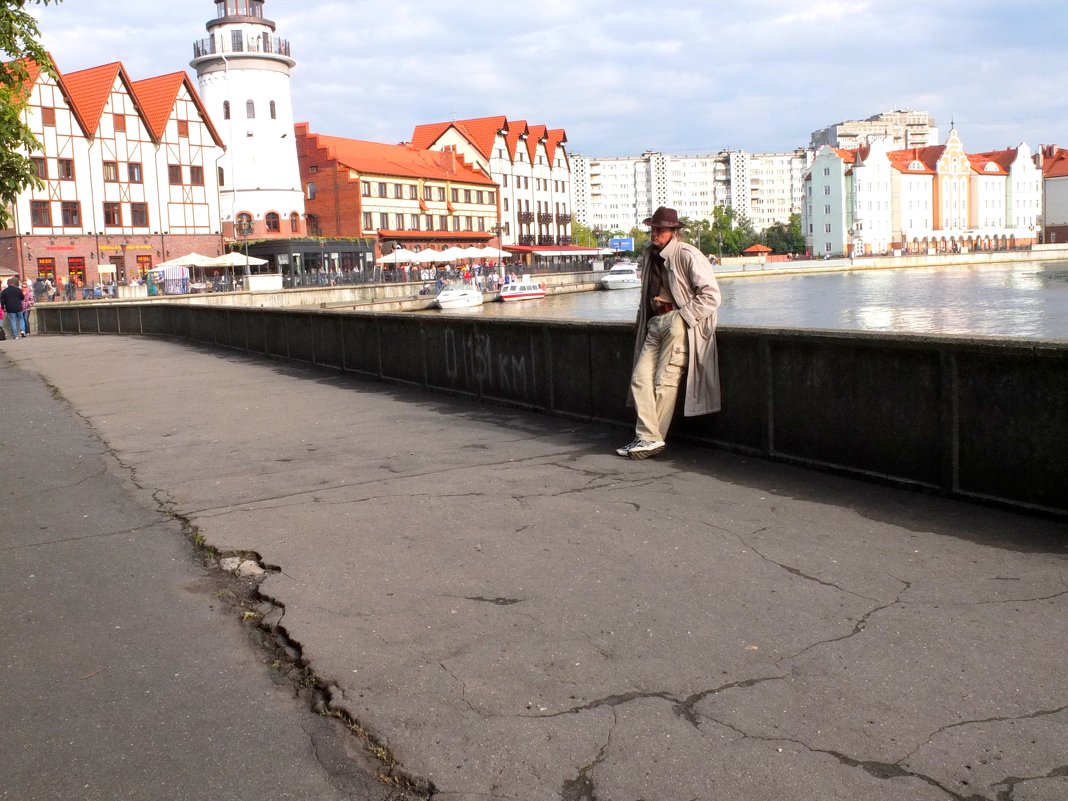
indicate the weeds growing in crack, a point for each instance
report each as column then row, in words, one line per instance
column 241, row 595
column 417, row 789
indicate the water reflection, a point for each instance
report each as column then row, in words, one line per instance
column 1028, row 301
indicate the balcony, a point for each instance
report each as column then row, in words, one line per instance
column 270, row 45
column 526, row 239
column 563, row 219
column 546, row 240
column 565, row 240
column 545, row 218
column 525, row 216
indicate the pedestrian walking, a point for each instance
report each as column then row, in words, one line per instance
column 676, row 336
column 27, row 307
column 11, row 301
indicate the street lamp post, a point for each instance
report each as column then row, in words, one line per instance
column 244, row 229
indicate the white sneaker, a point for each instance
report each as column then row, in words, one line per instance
column 643, row 448
column 626, row 448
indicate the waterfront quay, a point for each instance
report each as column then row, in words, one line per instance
column 507, row 608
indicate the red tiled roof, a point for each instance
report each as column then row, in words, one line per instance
column 1056, row 164
column 454, row 235
column 87, row 91
column 927, row 156
column 33, row 72
column 157, row 98
column 516, row 129
column 424, row 136
column 554, row 139
column 480, row 132
column 400, row 160
column 1001, row 159
column 90, row 89
column 535, row 137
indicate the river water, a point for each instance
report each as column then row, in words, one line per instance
column 1027, row 301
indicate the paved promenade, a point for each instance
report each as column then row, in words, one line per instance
column 514, row 612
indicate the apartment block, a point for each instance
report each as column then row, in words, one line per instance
column 617, row 193
column 903, row 130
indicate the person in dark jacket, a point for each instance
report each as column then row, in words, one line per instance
column 11, row 300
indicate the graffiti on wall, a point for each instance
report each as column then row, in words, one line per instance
column 476, row 361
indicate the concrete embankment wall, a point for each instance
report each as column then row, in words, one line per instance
column 979, row 419
column 380, row 297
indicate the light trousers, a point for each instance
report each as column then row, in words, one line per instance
column 658, row 372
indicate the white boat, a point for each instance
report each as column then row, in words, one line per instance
column 461, row 296
column 622, row 276
column 525, row 289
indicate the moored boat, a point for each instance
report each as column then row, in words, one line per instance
column 524, row 289
column 461, row 296
column 623, row 276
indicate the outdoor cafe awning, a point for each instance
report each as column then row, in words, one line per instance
column 548, row 251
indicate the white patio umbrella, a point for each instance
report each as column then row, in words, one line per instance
column 494, row 253
column 476, row 253
column 429, row 256
column 233, row 259
column 188, row 260
column 453, row 253
column 398, row 256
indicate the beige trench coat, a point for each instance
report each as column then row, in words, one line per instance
column 692, row 283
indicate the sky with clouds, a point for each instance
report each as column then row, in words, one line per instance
column 621, row 76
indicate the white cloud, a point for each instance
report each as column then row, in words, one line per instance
column 623, row 76
column 825, row 11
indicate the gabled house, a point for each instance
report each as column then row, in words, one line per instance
column 866, row 201
column 531, row 165
column 128, row 173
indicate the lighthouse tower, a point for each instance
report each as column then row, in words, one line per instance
column 243, row 68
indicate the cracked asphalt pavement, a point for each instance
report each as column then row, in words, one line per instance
column 516, row 613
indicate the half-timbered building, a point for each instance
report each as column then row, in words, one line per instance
column 128, row 177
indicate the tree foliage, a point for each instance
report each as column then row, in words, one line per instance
column 582, row 234
column 785, row 237
column 585, row 236
column 728, row 233
column 20, row 45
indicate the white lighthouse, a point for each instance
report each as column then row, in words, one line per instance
column 243, row 68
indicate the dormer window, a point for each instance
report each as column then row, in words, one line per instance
column 991, row 167
column 916, row 166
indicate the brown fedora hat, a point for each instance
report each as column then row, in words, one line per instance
column 663, row 217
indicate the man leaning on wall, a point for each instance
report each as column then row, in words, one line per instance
column 676, row 336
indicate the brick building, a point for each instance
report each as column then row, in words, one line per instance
column 397, row 195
